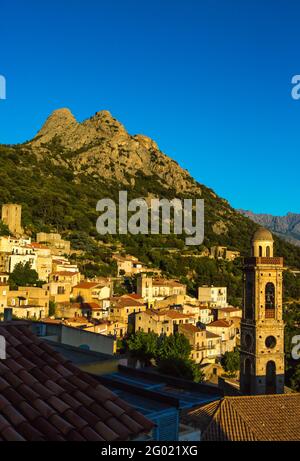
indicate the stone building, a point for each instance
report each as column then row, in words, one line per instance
column 152, row 289
column 162, row 322
column 58, row 246
column 213, row 296
column 262, row 327
column 206, row 346
column 11, row 216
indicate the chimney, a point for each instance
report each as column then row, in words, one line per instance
column 8, row 314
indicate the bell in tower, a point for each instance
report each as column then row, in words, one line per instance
column 262, row 328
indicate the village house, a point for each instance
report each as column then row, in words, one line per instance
column 213, row 296
column 29, row 302
column 202, row 313
column 87, row 292
column 73, row 278
column 161, row 322
column 7, row 242
column 66, row 309
column 205, row 345
column 22, row 254
column 127, row 265
column 63, row 264
column 109, row 328
column 94, row 310
column 123, row 308
column 226, row 313
column 60, row 292
column 227, row 331
column 152, row 289
column 43, row 260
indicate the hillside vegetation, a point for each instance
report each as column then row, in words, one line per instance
column 59, row 176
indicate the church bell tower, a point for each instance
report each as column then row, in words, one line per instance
column 262, row 327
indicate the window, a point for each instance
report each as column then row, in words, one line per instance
column 260, row 251
column 270, row 296
column 268, row 252
column 270, row 342
column 271, row 377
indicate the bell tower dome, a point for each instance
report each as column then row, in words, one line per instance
column 262, row 244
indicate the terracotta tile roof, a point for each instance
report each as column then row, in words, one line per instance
column 37, row 245
column 219, row 323
column 93, row 306
column 132, row 295
column 177, row 315
column 190, row 327
column 87, row 285
column 228, row 309
column 45, row 397
column 167, row 283
column 65, row 273
column 211, row 335
column 127, row 302
column 250, row 418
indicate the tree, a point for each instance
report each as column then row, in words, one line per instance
column 173, row 358
column 231, row 362
column 4, row 230
column 174, row 346
column 181, row 368
column 143, row 346
column 52, row 308
column 23, row 275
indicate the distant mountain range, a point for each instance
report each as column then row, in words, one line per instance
column 287, row 227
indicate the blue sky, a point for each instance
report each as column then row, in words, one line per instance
column 209, row 80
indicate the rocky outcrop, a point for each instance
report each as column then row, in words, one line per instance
column 101, row 146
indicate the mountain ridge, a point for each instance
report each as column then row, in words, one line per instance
column 286, row 227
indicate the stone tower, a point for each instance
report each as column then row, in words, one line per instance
column 11, row 216
column 144, row 287
column 262, row 328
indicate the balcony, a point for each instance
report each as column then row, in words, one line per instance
column 204, row 348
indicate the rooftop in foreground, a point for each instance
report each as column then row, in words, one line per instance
column 44, row 397
column 249, row 418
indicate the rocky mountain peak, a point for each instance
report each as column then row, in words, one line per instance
column 59, row 121
column 104, row 122
column 100, row 146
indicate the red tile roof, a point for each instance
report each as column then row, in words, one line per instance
column 37, row 245
column 211, row 335
column 167, row 283
column 45, row 397
column 65, row 273
column 219, row 323
column 93, row 306
column 190, row 327
column 132, row 295
column 250, row 418
column 126, row 302
column 228, row 309
column 88, row 285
